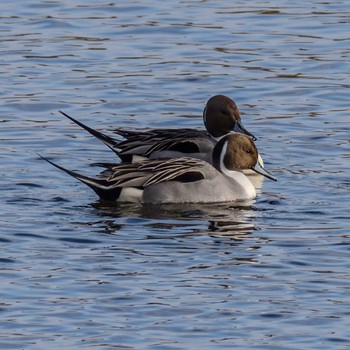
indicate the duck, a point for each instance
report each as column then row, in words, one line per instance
column 183, row 179
column 220, row 116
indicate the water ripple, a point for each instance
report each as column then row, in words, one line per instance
column 79, row 273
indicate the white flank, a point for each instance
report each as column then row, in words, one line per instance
column 130, row 194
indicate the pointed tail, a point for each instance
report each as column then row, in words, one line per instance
column 102, row 187
column 109, row 141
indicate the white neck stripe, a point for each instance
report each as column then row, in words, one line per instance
column 223, row 168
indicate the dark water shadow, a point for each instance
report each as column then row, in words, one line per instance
column 225, row 220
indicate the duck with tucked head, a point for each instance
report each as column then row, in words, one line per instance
column 220, row 116
column 184, row 179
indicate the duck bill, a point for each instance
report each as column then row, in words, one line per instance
column 260, row 170
column 238, row 127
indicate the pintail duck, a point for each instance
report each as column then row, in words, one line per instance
column 220, row 116
column 182, row 180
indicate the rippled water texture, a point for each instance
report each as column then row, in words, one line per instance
column 82, row 275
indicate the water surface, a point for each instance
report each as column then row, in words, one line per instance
column 79, row 274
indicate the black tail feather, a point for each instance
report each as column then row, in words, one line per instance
column 108, row 141
column 102, row 188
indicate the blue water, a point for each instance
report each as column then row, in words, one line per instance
column 78, row 274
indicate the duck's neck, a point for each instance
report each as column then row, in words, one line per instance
column 219, row 152
column 217, row 139
column 238, row 176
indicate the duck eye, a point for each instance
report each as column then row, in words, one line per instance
column 224, row 112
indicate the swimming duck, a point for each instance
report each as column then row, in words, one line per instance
column 182, row 180
column 220, row 116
